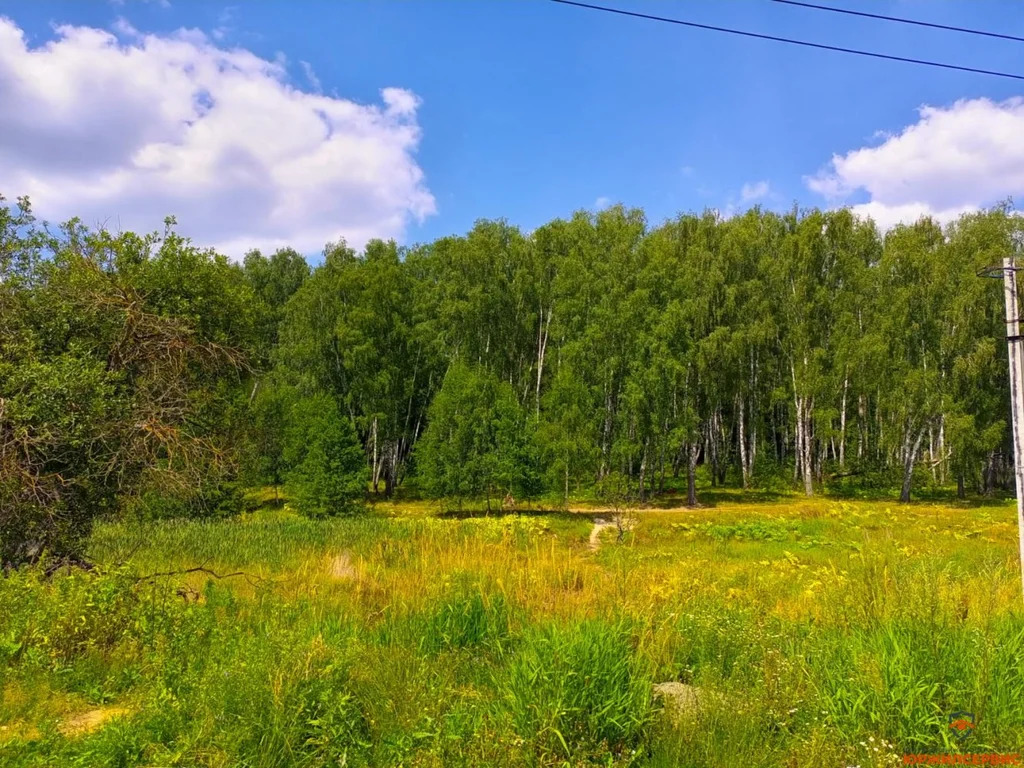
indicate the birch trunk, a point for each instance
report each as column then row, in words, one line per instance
column 942, row 449
column 842, row 425
column 798, row 453
column 693, row 450
column 931, row 452
column 376, row 468
column 542, row 346
column 743, row 444
column 862, row 425
column 808, row 462
column 909, row 457
column 643, row 471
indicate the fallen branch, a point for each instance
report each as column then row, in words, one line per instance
column 197, row 569
column 253, row 581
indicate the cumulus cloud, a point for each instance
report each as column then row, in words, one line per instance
column 754, row 191
column 125, row 131
column 952, row 160
column 602, row 202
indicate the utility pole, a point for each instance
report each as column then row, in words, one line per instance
column 1008, row 271
column 1016, row 398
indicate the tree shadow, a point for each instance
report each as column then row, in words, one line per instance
column 555, row 513
column 944, row 496
column 712, row 497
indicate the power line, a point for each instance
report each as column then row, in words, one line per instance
column 791, row 41
column 901, row 21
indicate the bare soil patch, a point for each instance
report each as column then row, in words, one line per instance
column 84, row 722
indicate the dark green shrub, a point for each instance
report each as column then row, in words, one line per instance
column 328, row 472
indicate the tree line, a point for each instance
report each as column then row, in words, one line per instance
column 803, row 348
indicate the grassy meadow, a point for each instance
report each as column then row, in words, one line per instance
column 816, row 633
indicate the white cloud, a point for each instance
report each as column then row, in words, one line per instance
column 310, row 73
column 224, row 23
column 128, row 131
column 124, row 28
column 952, row 160
column 161, row 3
column 602, row 202
column 755, row 191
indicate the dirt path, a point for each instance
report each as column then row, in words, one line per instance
column 595, row 533
column 92, row 720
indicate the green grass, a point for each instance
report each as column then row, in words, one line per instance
column 819, row 633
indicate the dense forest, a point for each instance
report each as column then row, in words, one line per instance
column 148, row 375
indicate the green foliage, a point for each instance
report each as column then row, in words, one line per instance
column 273, row 280
column 567, row 436
column 71, row 399
column 118, row 361
column 356, row 330
column 213, row 500
column 766, row 350
column 267, row 423
column 755, row 530
column 327, row 473
column 478, row 442
column 912, row 682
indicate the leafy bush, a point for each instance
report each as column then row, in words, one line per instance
column 224, row 499
column 745, row 530
column 51, row 623
column 477, row 441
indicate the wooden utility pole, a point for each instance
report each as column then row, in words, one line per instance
column 1013, row 340
column 1008, row 271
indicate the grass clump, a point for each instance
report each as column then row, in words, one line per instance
column 467, row 620
column 578, row 692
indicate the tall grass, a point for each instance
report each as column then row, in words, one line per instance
column 578, row 691
column 816, row 635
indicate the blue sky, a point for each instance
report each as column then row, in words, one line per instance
column 530, row 110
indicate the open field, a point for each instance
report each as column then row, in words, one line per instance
column 814, row 633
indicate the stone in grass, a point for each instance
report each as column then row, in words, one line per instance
column 679, row 699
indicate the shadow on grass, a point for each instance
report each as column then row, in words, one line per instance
column 549, row 512
column 712, row 497
column 945, row 496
